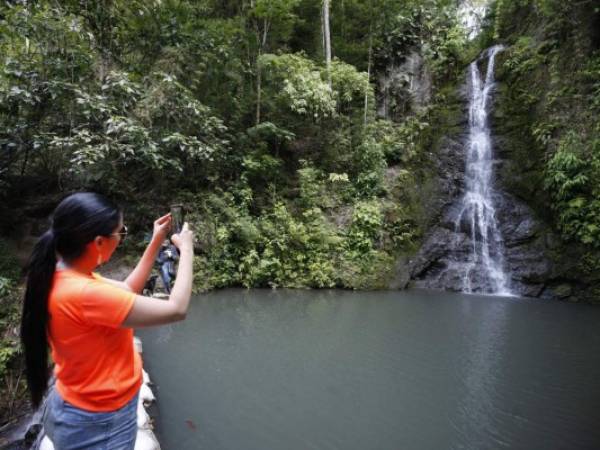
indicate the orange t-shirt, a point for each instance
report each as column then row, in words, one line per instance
column 96, row 365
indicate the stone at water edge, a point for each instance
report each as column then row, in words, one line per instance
column 46, row 444
column 146, row 377
column 137, row 344
column 146, row 394
column 143, row 418
column 146, row 441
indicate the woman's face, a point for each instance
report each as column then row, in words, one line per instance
column 108, row 244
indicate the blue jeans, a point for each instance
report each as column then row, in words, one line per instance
column 72, row 428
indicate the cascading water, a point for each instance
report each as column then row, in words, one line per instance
column 477, row 215
column 471, row 14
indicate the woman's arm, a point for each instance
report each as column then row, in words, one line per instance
column 138, row 277
column 147, row 311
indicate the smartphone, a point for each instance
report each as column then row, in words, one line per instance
column 177, row 218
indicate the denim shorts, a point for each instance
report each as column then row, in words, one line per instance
column 71, row 428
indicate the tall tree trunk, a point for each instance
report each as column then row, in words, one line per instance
column 368, row 70
column 25, row 161
column 258, row 86
column 262, row 42
column 327, row 38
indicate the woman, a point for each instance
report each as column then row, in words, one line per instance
column 87, row 321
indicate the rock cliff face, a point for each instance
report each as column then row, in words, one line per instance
column 541, row 264
column 538, row 263
column 406, row 86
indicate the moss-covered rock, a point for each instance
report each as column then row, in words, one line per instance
column 541, row 98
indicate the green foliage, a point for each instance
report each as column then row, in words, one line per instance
column 270, row 133
column 6, row 285
column 349, row 86
column 277, row 14
column 590, row 75
column 9, row 316
column 572, row 182
column 300, row 85
column 400, row 227
column 294, row 252
column 96, row 129
column 365, row 229
column 9, row 266
column 523, row 57
column 590, row 263
column 265, row 142
column 154, row 132
column 276, row 249
column 296, row 83
column 9, row 307
column 369, row 163
column 445, row 41
column 311, row 185
column 296, row 249
column 431, row 25
column 9, row 349
column 400, row 142
column 552, row 75
column 151, row 101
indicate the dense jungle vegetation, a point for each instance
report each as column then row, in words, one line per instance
column 231, row 109
column 289, row 168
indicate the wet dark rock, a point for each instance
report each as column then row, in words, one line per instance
column 563, row 290
column 27, row 442
column 32, row 434
column 435, row 248
column 402, row 274
column 538, row 263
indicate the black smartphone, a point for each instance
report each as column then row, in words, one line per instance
column 177, row 218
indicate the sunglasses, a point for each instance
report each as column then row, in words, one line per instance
column 121, row 233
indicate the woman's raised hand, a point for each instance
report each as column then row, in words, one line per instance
column 184, row 239
column 162, row 226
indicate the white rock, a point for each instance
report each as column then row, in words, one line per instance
column 143, row 419
column 47, row 444
column 146, row 440
column 146, row 394
column 146, row 377
column 137, row 343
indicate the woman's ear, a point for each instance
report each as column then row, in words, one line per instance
column 98, row 244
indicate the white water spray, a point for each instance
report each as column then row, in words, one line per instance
column 477, row 213
column 471, row 14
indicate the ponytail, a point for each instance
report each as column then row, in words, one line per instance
column 76, row 221
column 34, row 320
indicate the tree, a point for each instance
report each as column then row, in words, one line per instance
column 277, row 17
column 326, row 38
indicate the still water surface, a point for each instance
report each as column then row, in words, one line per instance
column 287, row 370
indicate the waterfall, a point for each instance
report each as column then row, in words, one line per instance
column 477, row 215
column 471, row 14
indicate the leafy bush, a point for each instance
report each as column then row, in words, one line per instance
column 369, row 164
column 573, row 184
column 400, row 142
column 299, row 85
column 523, row 56
column 365, row 229
column 9, row 266
column 6, row 286
column 9, row 317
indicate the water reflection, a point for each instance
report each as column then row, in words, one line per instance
column 378, row 370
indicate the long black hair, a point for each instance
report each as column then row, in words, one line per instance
column 76, row 221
